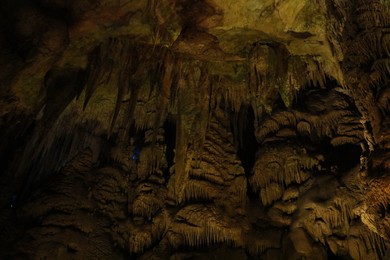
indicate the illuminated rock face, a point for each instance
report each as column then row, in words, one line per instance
column 205, row 129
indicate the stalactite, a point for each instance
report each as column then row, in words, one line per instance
column 203, row 111
column 271, row 193
column 376, row 204
column 277, row 167
column 304, row 128
column 382, row 67
column 286, row 207
column 236, row 93
column 260, row 241
column 368, row 47
column 101, row 67
column 151, row 160
column 213, row 142
column 290, row 193
column 200, row 190
column 50, row 151
column 63, row 210
column 315, row 69
column 181, row 154
column 206, row 226
column 341, row 140
column 325, row 125
column 139, row 240
column 213, row 145
column 148, row 200
column 114, row 196
column 383, row 100
column 209, row 172
column 294, row 174
column 94, row 72
column 108, row 191
column 165, row 87
column 237, row 192
column 144, row 236
column 336, row 215
column 123, row 81
column 269, row 126
column 265, row 63
column 295, row 79
column 266, row 170
column 278, row 216
column 370, row 14
column 271, row 167
column 364, row 244
column 294, row 72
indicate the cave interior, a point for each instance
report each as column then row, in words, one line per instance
column 195, row 129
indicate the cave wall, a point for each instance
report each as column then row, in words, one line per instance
column 204, row 129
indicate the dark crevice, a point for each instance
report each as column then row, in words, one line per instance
column 340, row 158
column 244, row 132
column 62, row 86
column 15, row 137
column 245, row 141
column 108, row 142
column 54, row 11
column 137, row 142
column 332, row 256
column 170, row 141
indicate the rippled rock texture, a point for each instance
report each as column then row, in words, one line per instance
column 207, row 129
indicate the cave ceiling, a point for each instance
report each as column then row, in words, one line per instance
column 202, row 129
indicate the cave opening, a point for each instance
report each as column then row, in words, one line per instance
column 340, row 158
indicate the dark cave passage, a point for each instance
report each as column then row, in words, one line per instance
column 246, row 143
column 341, row 158
column 244, row 132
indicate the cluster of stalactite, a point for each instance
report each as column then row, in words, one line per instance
column 141, row 154
column 307, row 190
column 366, row 69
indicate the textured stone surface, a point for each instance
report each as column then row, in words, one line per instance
column 208, row 129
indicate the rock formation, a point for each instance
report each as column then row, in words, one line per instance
column 205, row 129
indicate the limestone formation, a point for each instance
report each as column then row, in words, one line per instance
column 204, row 129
